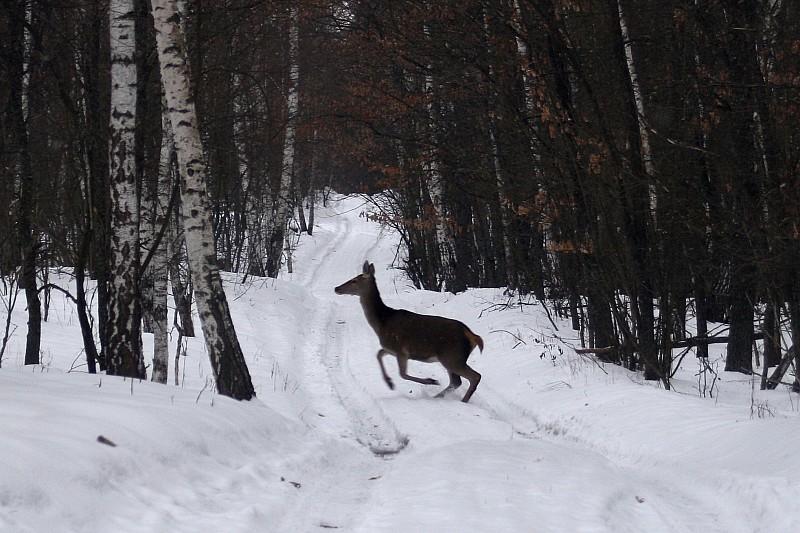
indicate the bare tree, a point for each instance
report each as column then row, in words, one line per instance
column 227, row 361
column 284, row 198
column 124, row 313
column 160, row 260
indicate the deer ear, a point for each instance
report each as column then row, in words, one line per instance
column 365, row 270
column 371, row 269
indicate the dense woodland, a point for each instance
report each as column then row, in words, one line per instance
column 629, row 164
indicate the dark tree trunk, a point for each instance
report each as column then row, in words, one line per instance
column 301, row 214
column 772, row 340
column 573, row 310
column 26, row 201
column 601, row 326
column 181, row 283
column 311, row 201
column 740, row 339
column 794, row 324
column 96, row 102
column 701, row 308
column 310, row 193
column 83, row 309
column 648, row 350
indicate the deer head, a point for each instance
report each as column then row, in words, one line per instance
column 359, row 284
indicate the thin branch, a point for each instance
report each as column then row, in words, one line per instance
column 62, row 290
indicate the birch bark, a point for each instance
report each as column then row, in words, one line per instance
column 159, row 262
column 644, row 134
column 435, row 179
column 124, row 308
column 227, row 360
column 284, row 199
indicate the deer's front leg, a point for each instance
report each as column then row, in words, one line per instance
column 386, row 377
column 402, row 363
column 455, row 382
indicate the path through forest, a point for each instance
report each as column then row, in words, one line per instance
column 550, row 442
column 427, row 464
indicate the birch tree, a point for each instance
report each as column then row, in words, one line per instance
column 644, row 134
column 160, row 260
column 227, row 360
column 434, row 174
column 124, row 313
column 283, row 202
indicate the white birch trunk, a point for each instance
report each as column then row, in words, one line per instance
column 159, row 264
column 522, row 53
column 124, row 338
column 26, row 76
column 258, row 206
column 227, row 361
column 435, row 180
column 283, row 207
column 644, row 134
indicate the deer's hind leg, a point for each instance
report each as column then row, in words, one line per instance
column 470, row 375
column 455, row 382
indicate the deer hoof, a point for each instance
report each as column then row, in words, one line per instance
column 389, row 383
column 431, row 381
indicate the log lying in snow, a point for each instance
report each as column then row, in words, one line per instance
column 685, row 343
column 698, row 341
column 777, row 375
column 606, row 349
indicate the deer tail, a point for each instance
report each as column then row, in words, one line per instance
column 474, row 340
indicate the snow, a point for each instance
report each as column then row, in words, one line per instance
column 550, row 442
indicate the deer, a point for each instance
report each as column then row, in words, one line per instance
column 408, row 335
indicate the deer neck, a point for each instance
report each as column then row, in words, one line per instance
column 374, row 309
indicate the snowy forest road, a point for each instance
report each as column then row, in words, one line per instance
column 548, row 443
column 440, row 465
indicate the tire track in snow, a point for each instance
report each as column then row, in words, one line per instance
column 340, row 233
column 369, row 424
column 371, row 427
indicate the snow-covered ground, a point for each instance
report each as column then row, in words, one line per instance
column 551, row 441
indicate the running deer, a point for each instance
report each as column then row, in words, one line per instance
column 408, row 335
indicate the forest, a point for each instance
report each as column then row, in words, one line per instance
column 631, row 165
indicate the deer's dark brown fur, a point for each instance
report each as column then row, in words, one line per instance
column 408, row 335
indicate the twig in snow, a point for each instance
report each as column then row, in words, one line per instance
column 519, row 340
column 72, row 366
column 205, row 386
column 583, row 351
column 549, row 317
column 102, row 440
